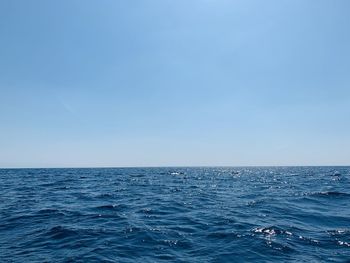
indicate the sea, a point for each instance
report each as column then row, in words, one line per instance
column 175, row 214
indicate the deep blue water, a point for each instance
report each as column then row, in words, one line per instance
column 272, row 214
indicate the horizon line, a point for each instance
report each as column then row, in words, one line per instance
column 167, row 166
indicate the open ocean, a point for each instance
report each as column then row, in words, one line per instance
column 218, row 214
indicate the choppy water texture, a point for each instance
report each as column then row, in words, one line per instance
column 175, row 214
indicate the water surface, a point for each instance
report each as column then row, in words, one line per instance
column 266, row 214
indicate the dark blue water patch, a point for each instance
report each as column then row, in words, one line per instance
column 330, row 194
column 219, row 214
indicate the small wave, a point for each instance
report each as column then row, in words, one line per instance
column 272, row 231
column 49, row 212
column 175, row 189
column 176, row 173
column 309, row 240
column 336, row 173
column 62, row 187
column 224, row 235
column 280, row 247
column 110, row 207
column 328, row 193
column 61, row 232
column 104, row 195
column 339, row 232
column 255, row 202
column 43, row 213
column 48, row 185
column 343, row 243
column 146, row 210
column 166, row 257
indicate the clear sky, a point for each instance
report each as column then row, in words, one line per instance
column 174, row 82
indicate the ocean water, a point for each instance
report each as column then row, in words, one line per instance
column 260, row 214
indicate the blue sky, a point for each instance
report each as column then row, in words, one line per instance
column 165, row 82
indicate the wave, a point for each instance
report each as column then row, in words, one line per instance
column 272, row 230
column 111, row 207
column 328, row 194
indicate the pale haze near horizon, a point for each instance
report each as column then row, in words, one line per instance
column 174, row 83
